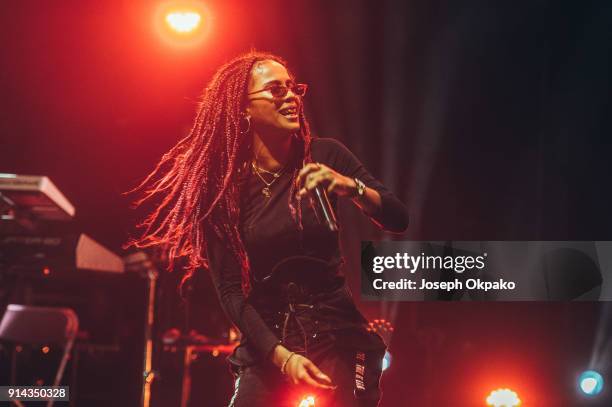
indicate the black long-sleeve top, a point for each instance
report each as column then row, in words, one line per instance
column 271, row 236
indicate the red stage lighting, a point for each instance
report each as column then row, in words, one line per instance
column 307, row 401
column 503, row 398
column 182, row 23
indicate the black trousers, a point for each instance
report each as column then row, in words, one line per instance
column 356, row 372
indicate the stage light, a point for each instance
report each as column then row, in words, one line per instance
column 183, row 21
column 591, row 383
column 386, row 362
column 307, row 401
column 380, row 326
column 503, row 398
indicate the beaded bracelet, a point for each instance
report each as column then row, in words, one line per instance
column 282, row 369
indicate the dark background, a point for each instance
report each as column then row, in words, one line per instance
column 489, row 119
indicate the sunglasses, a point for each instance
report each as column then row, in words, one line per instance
column 280, row 91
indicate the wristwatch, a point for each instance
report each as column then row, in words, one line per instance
column 361, row 187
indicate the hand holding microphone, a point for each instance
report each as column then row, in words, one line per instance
column 318, row 180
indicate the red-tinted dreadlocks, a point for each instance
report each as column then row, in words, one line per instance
column 197, row 179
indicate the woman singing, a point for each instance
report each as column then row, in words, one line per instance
column 237, row 198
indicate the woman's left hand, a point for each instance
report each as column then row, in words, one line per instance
column 317, row 174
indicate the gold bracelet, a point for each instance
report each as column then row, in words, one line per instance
column 285, row 362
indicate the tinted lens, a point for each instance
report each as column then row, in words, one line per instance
column 278, row 91
column 299, row 89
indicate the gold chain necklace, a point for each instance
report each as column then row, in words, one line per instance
column 266, row 171
column 266, row 190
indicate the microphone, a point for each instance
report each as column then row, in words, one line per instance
column 324, row 207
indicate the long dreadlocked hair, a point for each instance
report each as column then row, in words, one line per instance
column 197, row 180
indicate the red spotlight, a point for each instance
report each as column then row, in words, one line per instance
column 182, row 23
column 380, row 326
column 307, row 401
column 503, row 398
